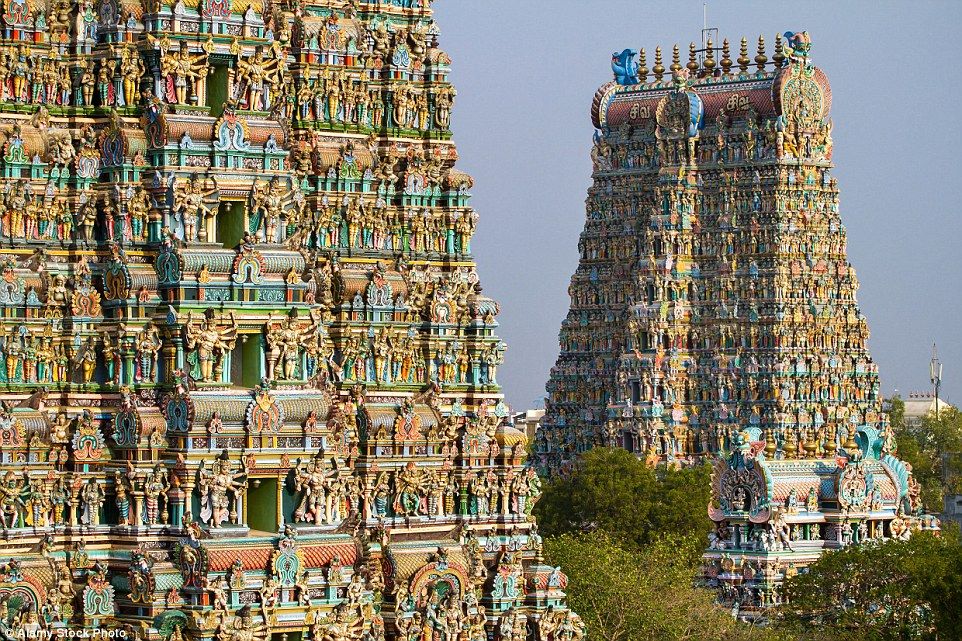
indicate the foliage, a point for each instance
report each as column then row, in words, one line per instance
column 628, row 594
column 934, row 449
column 612, row 490
column 630, row 538
column 897, row 590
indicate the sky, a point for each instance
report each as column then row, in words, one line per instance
column 526, row 72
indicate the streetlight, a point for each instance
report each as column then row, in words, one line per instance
column 935, row 375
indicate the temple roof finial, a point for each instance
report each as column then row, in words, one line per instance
column 692, row 60
column 779, row 56
column 743, row 59
column 761, row 59
column 659, row 68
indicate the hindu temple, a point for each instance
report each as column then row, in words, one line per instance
column 713, row 312
column 248, row 376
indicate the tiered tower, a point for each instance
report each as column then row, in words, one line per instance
column 249, row 379
column 714, row 312
column 714, row 292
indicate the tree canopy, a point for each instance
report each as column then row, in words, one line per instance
column 611, row 490
column 934, row 449
column 630, row 539
column 626, row 594
column 897, row 590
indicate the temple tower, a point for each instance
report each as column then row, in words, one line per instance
column 714, row 293
column 714, row 316
column 249, row 377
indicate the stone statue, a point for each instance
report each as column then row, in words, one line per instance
column 147, row 347
column 221, row 490
column 313, row 483
column 92, row 499
column 209, row 342
column 184, row 74
column 156, row 487
column 11, row 501
column 191, row 202
column 285, row 340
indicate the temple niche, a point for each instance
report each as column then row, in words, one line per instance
column 713, row 313
column 248, row 376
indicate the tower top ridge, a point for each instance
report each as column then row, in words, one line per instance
column 710, row 61
column 725, row 85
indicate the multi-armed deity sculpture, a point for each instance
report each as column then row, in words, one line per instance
column 247, row 373
column 714, row 312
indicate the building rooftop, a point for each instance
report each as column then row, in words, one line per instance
column 919, row 404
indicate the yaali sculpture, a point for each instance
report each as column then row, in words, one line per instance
column 714, row 317
column 249, row 377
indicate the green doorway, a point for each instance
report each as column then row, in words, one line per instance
column 262, row 507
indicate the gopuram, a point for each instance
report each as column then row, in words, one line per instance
column 713, row 312
column 248, row 377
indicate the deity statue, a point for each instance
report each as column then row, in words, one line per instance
column 256, row 79
column 131, row 70
column 138, row 205
column 242, row 628
column 86, row 218
column 342, row 626
column 285, row 340
column 184, row 75
column 269, row 204
column 11, row 501
column 191, row 203
column 147, row 345
column 443, row 101
column 123, row 490
column 209, row 343
column 86, row 360
column 380, row 495
column 156, row 487
column 92, row 499
column 559, row 624
column 217, row 486
column 409, row 491
column 313, row 481
column 37, row 502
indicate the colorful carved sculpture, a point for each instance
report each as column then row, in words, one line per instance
column 238, row 227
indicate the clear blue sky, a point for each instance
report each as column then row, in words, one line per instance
column 526, row 72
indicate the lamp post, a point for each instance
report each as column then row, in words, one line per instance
column 935, row 375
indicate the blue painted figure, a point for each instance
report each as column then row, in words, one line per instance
column 624, row 67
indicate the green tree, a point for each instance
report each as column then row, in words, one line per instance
column 934, row 449
column 613, row 491
column 626, row 594
column 897, row 590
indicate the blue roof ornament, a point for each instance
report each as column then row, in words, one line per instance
column 624, row 67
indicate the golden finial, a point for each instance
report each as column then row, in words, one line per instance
column 726, row 61
column 675, row 59
column 709, row 57
column 850, row 445
column 692, row 60
column 642, row 67
column 659, row 69
column 743, row 59
column 761, row 59
column 779, row 56
column 770, row 445
column 830, row 447
column 810, row 445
